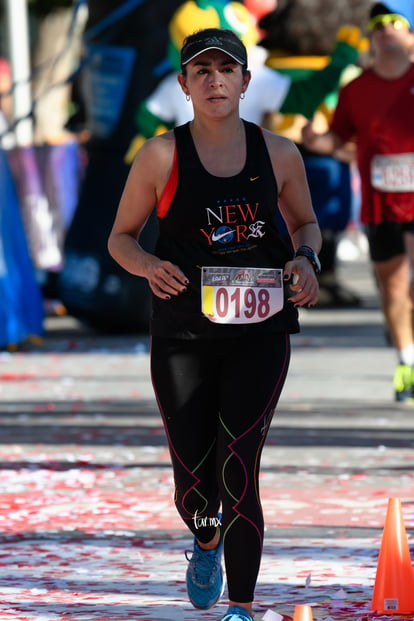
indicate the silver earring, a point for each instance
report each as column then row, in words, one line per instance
column 187, row 97
column 242, row 95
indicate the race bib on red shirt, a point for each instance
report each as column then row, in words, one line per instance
column 393, row 173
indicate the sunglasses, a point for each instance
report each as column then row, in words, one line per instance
column 380, row 21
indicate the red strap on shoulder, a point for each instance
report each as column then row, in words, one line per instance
column 169, row 190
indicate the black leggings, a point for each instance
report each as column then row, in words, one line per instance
column 217, row 399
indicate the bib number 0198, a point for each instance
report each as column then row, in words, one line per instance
column 243, row 300
column 241, row 295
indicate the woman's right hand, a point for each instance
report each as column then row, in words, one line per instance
column 165, row 279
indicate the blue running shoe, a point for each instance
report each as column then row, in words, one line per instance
column 236, row 613
column 205, row 582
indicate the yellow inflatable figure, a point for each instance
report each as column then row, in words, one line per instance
column 270, row 91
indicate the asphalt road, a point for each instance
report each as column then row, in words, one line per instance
column 87, row 525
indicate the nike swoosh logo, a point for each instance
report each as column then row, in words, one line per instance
column 254, row 178
column 216, row 237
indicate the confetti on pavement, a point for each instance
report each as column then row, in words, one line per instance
column 88, row 529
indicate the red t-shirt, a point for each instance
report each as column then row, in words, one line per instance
column 379, row 115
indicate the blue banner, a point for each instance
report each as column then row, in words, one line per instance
column 106, row 80
column 21, row 303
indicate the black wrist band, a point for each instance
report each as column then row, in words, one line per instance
column 309, row 253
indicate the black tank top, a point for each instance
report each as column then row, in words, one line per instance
column 206, row 220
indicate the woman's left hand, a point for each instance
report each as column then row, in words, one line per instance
column 303, row 282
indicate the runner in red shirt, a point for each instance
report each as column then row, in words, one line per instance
column 375, row 110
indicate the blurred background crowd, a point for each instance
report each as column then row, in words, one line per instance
column 84, row 82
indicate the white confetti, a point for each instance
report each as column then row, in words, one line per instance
column 269, row 615
column 340, row 594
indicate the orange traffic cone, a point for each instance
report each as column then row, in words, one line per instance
column 394, row 583
column 303, row 612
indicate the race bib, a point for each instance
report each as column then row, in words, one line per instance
column 241, row 294
column 393, row 173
